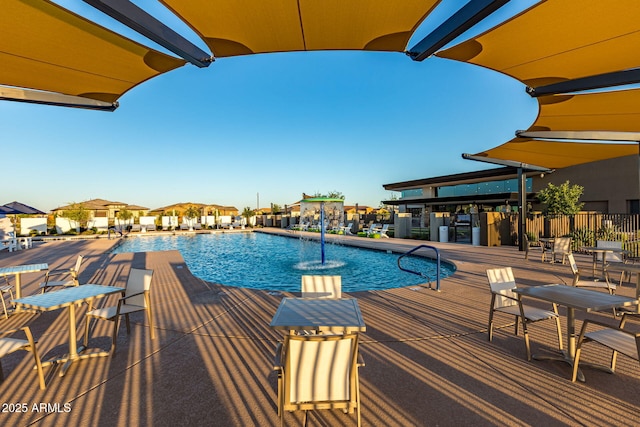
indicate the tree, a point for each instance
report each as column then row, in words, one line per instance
column 192, row 212
column 77, row 213
column 247, row 213
column 562, row 199
column 124, row 215
column 275, row 208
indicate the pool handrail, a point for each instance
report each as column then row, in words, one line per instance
column 418, row 273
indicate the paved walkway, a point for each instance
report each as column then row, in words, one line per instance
column 428, row 361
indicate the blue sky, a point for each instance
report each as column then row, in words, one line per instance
column 273, row 125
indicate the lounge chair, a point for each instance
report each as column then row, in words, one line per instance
column 383, row 231
column 151, row 227
column 184, row 226
column 135, row 227
column 136, row 298
column 321, row 286
column 616, row 338
column 372, row 229
column 504, row 300
column 9, row 345
column 318, row 372
column 70, row 276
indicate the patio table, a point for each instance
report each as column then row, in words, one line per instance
column 574, row 299
column 595, row 250
column 329, row 315
column 18, row 270
column 68, row 298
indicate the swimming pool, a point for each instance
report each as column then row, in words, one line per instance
column 268, row 262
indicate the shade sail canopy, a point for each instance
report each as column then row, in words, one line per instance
column 558, row 40
column 557, row 154
column 600, row 111
column 48, row 48
column 232, row 28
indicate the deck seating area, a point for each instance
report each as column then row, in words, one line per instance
column 428, row 360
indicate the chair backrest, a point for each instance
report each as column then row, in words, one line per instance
column 139, row 281
column 574, row 268
column 320, row 368
column 502, row 284
column 562, row 245
column 75, row 271
column 610, row 256
column 321, row 286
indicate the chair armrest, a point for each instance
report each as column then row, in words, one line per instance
column 24, row 329
column 124, row 298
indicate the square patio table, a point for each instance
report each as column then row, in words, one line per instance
column 18, row 270
column 574, row 299
column 68, row 298
column 324, row 314
column 595, row 250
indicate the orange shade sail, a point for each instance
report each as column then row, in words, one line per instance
column 244, row 27
column 554, row 41
column 48, row 48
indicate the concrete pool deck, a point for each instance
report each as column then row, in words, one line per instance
column 428, row 361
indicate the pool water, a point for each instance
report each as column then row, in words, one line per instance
column 276, row 263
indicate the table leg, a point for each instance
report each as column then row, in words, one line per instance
column 568, row 355
column 75, row 353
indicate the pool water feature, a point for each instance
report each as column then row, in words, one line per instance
column 276, row 263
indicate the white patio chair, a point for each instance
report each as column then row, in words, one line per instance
column 72, row 274
column 504, row 300
column 321, row 286
column 616, row 338
column 596, row 284
column 561, row 248
column 136, row 298
column 318, row 372
column 9, row 345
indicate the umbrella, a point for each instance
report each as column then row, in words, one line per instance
column 17, row 208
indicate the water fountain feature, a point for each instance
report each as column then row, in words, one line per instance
column 323, row 213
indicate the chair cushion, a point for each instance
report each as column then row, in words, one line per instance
column 530, row 313
column 595, row 284
column 616, row 340
column 9, row 345
column 110, row 312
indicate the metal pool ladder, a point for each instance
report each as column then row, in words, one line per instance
column 421, row 274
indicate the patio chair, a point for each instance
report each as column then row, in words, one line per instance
column 9, row 345
column 318, row 372
column 136, row 298
column 7, row 288
column 71, row 273
column 151, row 227
column 135, row 227
column 528, row 246
column 383, row 231
column 504, row 300
column 561, row 248
column 372, row 229
column 597, row 284
column 616, row 338
column 321, row 286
